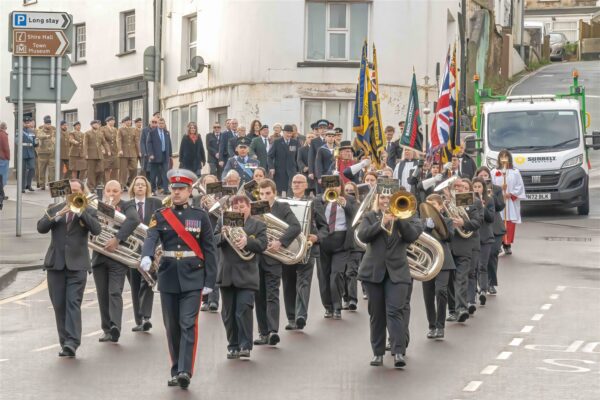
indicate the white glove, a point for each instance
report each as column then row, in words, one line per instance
column 439, row 178
column 146, row 264
column 206, row 290
column 365, row 163
column 428, row 183
column 336, row 172
column 448, row 166
column 429, row 223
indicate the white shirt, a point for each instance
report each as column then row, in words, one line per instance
column 409, row 167
column 340, row 217
column 143, row 201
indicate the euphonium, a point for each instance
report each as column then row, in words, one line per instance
column 232, row 235
column 455, row 211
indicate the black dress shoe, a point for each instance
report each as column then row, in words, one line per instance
column 105, row 338
column 431, row 334
column 184, row 379
column 388, row 345
column 328, row 314
column 274, row 338
column 147, row 325
column 439, row 333
column 463, row 316
column 472, row 309
column 482, row 298
column 213, row 307
column 300, row 322
column 352, row 305
column 23, row 191
column 345, row 305
column 377, row 361
column 115, row 334
column 137, row 328
column 337, row 314
column 399, row 361
column 67, row 351
column 452, row 317
column 262, row 339
column 244, row 353
column 204, row 307
column 507, row 250
column 291, row 326
column 492, row 290
column 233, row 354
column 173, row 381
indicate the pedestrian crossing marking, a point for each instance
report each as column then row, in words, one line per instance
column 489, row 370
column 537, row 317
column 527, row 329
column 505, row 355
column 472, row 386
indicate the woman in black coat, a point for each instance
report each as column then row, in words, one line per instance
column 191, row 150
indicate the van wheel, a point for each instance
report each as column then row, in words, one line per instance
column 584, row 209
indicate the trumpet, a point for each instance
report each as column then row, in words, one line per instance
column 76, row 202
column 403, row 205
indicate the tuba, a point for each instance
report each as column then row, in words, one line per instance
column 302, row 209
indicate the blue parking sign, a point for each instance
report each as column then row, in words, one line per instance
column 20, row 20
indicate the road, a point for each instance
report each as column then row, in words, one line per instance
column 538, row 339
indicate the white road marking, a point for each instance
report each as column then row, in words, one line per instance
column 505, row 355
column 90, row 304
column 537, row 317
column 92, row 290
column 554, row 296
column 546, row 307
column 489, row 370
column 4, row 359
column 28, row 293
column 472, row 386
column 574, row 346
column 95, row 333
column 585, row 287
column 22, row 303
column 52, row 346
column 527, row 329
column 560, row 288
column 516, row 342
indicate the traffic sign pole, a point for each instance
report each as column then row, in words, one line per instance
column 57, row 146
column 20, row 150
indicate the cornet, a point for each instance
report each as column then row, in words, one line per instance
column 403, row 205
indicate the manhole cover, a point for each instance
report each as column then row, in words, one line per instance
column 567, row 239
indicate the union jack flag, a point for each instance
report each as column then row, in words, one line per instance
column 443, row 120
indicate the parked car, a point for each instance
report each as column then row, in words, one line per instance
column 558, row 42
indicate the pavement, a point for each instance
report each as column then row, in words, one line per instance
column 539, row 338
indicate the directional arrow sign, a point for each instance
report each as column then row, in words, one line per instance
column 40, row 63
column 40, row 91
column 37, row 43
column 40, row 20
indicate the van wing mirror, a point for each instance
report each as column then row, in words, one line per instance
column 595, row 136
column 470, row 143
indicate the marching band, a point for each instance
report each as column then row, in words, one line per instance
column 387, row 226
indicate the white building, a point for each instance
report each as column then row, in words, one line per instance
column 108, row 43
column 295, row 61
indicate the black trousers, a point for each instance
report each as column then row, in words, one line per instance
column 457, row 288
column 212, row 297
column 66, row 289
column 332, row 272
column 158, row 175
column 296, row 281
column 142, row 296
column 109, row 277
column 180, row 316
column 386, row 302
column 236, row 312
column 493, row 261
column 406, row 312
column 472, row 288
column 267, row 300
column 435, row 294
column 350, row 276
column 28, row 171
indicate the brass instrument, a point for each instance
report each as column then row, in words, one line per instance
column 232, row 234
column 208, row 200
column 77, row 202
column 331, row 195
column 455, row 211
column 303, row 211
column 403, row 205
column 440, row 232
column 365, row 205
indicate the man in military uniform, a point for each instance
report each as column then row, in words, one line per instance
column 129, row 151
column 111, row 161
column 46, row 141
column 242, row 163
column 65, row 169
column 138, row 125
column 77, row 160
column 94, row 147
column 29, row 144
column 188, row 268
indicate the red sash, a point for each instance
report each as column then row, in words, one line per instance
column 187, row 237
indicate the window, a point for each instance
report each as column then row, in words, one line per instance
column 70, row 117
column 194, row 114
column 137, row 109
column 122, row 111
column 80, row 42
column 174, row 128
column 339, row 112
column 218, row 115
column 569, row 28
column 336, row 31
column 190, row 41
column 127, row 31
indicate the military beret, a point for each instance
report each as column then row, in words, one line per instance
column 264, row 127
column 63, row 122
column 94, row 121
column 109, row 118
column 47, row 119
column 138, row 120
column 77, row 123
column 127, row 118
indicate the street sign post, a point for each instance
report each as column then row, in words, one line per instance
column 39, row 43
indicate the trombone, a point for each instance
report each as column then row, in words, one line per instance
column 76, row 202
column 403, row 205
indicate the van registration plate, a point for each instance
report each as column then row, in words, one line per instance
column 538, row 196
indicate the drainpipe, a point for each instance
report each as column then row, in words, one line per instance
column 157, row 53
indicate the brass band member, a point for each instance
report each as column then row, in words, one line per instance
column 259, row 174
column 76, row 156
column 94, row 148
column 350, row 297
column 67, row 263
column 435, row 291
column 238, row 279
column 142, row 295
column 385, row 274
column 296, row 279
column 187, row 268
column 336, row 243
column 267, row 300
column 109, row 274
column 128, row 150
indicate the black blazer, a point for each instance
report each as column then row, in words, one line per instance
column 350, row 210
column 394, row 153
column 132, row 220
column 467, row 167
column 191, row 155
column 386, row 252
column 150, row 206
column 282, row 158
column 315, row 145
column 284, row 213
column 486, row 232
column 302, row 160
column 448, row 260
column 212, row 147
column 498, row 227
column 154, row 147
column 260, row 151
column 233, row 271
column 69, row 244
column 462, row 247
column 224, row 146
column 324, row 163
